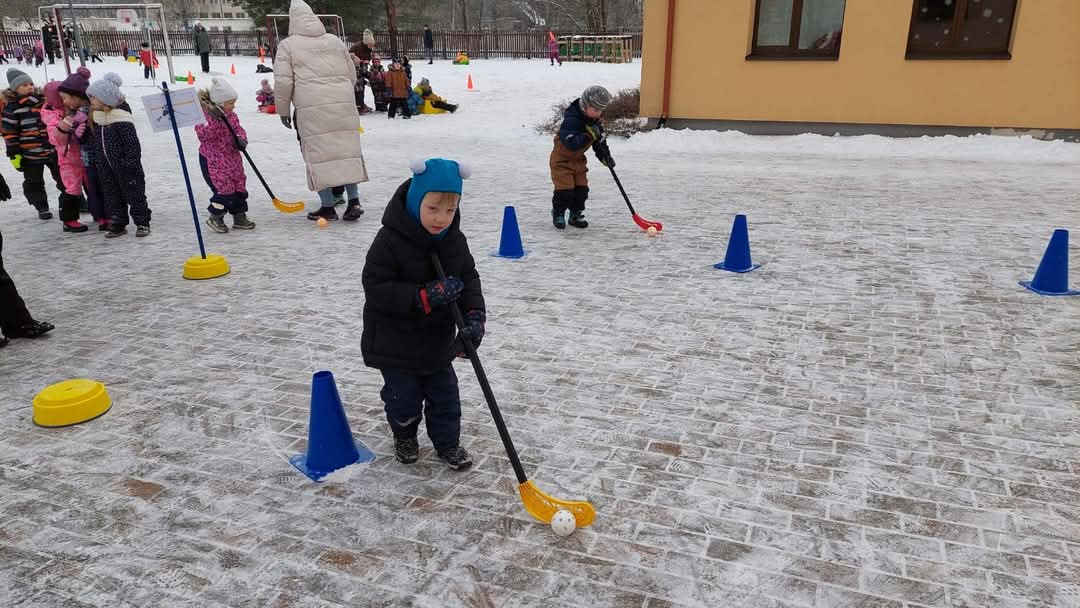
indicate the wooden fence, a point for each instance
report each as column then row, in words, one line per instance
column 481, row 45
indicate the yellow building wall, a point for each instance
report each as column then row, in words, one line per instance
column 871, row 83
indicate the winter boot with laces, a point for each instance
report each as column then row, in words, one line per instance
column 74, row 226
column 558, row 218
column 116, row 231
column 456, row 458
column 142, row 231
column 326, row 213
column 240, row 221
column 577, row 219
column 217, row 223
column 406, row 449
column 353, row 211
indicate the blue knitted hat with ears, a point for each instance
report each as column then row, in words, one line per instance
column 433, row 175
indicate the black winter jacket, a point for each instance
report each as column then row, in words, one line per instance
column 572, row 131
column 398, row 334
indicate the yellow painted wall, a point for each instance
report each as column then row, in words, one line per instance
column 871, row 82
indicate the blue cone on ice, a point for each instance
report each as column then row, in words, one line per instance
column 1052, row 276
column 510, row 243
column 737, row 258
column 330, row 442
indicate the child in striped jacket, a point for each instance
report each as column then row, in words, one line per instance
column 27, row 140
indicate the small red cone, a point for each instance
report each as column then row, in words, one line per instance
column 232, row 70
column 190, row 78
column 470, row 85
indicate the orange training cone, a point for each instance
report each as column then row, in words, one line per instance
column 190, row 78
column 232, row 70
column 470, row 85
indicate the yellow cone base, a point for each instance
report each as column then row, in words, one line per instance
column 71, row 402
column 198, row 269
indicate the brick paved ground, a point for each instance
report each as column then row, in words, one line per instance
column 879, row 417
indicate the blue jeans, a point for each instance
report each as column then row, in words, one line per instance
column 326, row 197
column 408, row 397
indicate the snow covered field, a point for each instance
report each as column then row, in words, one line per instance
column 879, row 416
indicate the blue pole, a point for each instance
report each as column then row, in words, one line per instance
column 183, row 165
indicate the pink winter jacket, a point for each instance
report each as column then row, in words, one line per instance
column 222, row 156
column 72, row 170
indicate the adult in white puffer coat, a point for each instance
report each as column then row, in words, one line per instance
column 314, row 73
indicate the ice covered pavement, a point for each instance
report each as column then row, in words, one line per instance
column 879, row 416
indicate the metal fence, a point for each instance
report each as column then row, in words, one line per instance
column 483, row 45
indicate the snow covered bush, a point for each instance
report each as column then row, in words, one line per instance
column 620, row 118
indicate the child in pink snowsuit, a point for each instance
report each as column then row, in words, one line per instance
column 265, row 97
column 219, row 157
column 553, row 49
column 72, row 171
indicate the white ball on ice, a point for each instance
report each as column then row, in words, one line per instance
column 563, row 523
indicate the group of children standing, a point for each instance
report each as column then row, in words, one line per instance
column 84, row 135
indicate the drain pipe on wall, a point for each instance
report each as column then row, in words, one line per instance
column 667, row 64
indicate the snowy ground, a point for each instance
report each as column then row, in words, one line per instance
column 879, row 416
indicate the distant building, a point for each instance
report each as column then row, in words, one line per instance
column 891, row 67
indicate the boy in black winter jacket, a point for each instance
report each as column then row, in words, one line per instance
column 409, row 331
column 580, row 129
column 27, row 140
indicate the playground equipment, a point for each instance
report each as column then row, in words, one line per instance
column 333, row 23
column 606, row 49
column 73, row 9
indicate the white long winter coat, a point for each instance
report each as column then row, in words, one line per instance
column 313, row 72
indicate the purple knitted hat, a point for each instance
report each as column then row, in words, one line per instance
column 76, row 83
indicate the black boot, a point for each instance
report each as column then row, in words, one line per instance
column 558, row 218
column 577, row 219
column 456, row 458
column 326, row 213
column 406, row 450
column 353, row 211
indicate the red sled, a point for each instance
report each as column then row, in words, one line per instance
column 271, row 109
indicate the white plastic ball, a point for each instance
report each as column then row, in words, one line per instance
column 563, row 523
column 651, row 231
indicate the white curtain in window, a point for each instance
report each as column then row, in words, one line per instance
column 774, row 22
column 822, row 21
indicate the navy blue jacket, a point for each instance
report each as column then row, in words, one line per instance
column 572, row 131
column 113, row 143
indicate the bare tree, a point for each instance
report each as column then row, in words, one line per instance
column 23, row 11
column 391, row 25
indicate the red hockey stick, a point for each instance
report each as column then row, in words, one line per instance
column 640, row 221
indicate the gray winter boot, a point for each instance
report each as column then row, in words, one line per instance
column 240, row 221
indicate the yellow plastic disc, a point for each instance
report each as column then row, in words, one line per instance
column 212, row 267
column 71, row 402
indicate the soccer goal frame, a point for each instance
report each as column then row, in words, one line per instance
column 57, row 11
column 275, row 36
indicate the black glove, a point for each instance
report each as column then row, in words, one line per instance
column 241, row 143
column 440, row 293
column 474, row 331
column 5, row 192
column 603, row 154
column 285, row 120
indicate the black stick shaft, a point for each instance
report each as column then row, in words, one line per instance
column 481, row 377
column 622, row 190
column 248, row 157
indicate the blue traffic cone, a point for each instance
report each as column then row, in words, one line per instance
column 330, row 442
column 737, row 258
column 510, row 243
column 1052, row 276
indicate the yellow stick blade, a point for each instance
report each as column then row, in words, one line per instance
column 284, row 207
column 543, row 507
